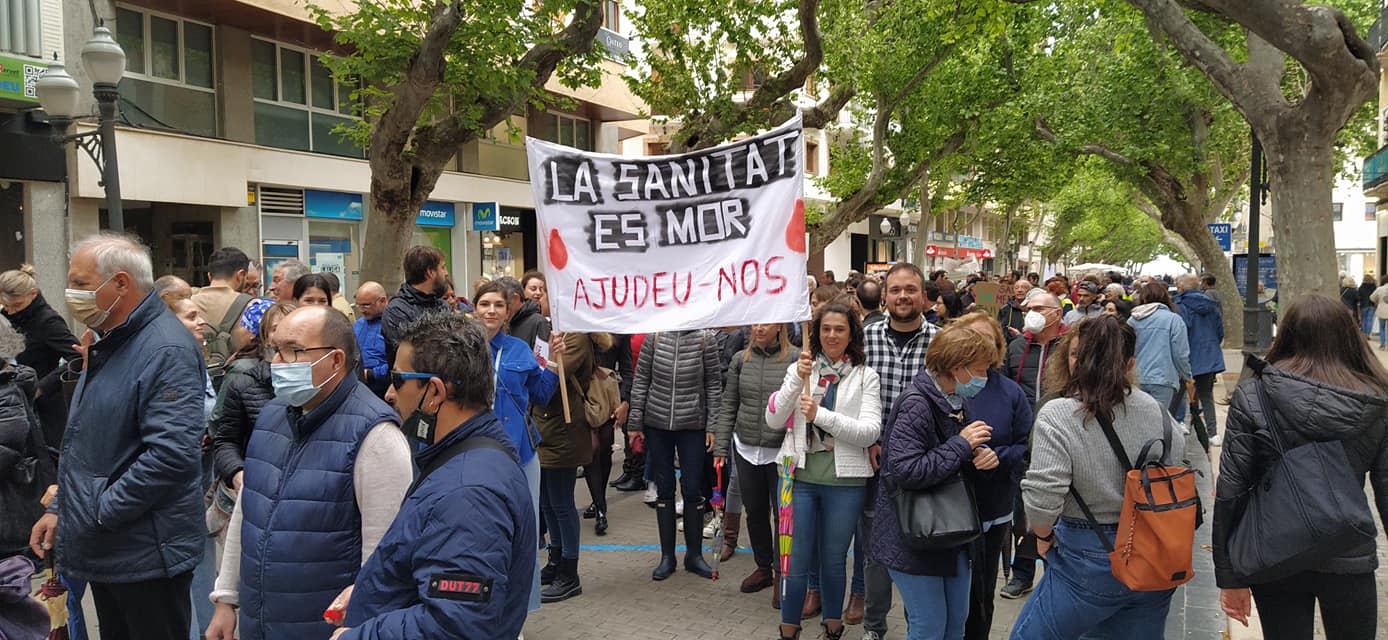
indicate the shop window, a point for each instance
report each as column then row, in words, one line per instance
column 169, row 81
column 1337, row 211
column 1370, row 212
column 298, row 103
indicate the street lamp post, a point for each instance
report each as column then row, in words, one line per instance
column 903, row 234
column 59, row 93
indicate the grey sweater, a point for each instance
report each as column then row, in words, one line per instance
column 1068, row 448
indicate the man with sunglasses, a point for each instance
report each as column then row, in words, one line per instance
column 458, row 561
column 326, row 468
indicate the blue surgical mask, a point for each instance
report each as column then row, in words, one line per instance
column 293, row 381
column 972, row 387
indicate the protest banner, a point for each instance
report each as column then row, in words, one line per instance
column 986, row 294
column 712, row 238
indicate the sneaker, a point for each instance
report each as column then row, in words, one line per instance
column 711, row 529
column 1015, row 589
column 650, row 496
column 1216, row 440
column 871, row 635
column 679, row 509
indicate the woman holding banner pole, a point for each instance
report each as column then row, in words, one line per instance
column 830, row 403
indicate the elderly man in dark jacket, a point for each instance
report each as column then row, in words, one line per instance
column 426, row 278
column 449, row 564
column 128, row 516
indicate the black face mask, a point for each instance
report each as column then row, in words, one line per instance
column 419, row 427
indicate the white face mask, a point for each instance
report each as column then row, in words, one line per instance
column 1034, row 322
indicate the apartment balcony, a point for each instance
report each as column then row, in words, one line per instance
column 1376, row 174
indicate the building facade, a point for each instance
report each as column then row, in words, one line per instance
column 226, row 138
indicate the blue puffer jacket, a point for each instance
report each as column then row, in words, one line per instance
column 1204, row 330
column 1163, row 350
column 914, row 457
column 130, row 508
column 1004, row 405
column 301, row 534
column 469, row 522
column 520, row 383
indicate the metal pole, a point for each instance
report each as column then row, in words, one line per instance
column 106, row 96
column 1251, row 315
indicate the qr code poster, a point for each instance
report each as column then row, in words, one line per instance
column 31, row 80
column 19, row 79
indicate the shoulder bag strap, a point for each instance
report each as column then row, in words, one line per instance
column 1117, row 446
column 467, row 444
column 238, row 306
column 1269, row 416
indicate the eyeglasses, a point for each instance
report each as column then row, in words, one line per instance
column 291, row 354
column 398, row 378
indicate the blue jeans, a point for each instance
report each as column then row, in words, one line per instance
column 1079, row 597
column 205, row 573
column 76, row 619
column 826, row 518
column 532, row 477
column 1366, row 320
column 936, row 607
column 557, row 503
column 1163, row 395
column 1383, row 332
column 855, row 587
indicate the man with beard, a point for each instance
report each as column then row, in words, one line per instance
column 1086, row 304
column 426, row 280
column 896, row 351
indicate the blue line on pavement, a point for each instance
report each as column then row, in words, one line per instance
column 625, row 547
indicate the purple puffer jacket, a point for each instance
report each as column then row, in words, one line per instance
column 914, row 458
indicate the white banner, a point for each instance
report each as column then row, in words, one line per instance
column 712, row 238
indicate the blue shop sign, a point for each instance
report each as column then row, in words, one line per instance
column 435, row 214
column 333, row 205
column 486, row 216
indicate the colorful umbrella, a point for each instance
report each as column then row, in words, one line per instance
column 717, row 504
column 785, row 520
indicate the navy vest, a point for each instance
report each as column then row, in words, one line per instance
column 301, row 535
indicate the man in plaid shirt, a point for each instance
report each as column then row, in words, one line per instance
column 896, row 351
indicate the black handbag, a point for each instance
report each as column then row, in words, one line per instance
column 1307, row 508
column 944, row 516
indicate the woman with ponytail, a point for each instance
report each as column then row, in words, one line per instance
column 1071, row 455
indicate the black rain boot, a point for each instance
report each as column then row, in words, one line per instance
column 551, row 568
column 694, row 540
column 566, row 584
column 665, row 519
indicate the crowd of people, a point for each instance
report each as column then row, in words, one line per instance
column 216, row 463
